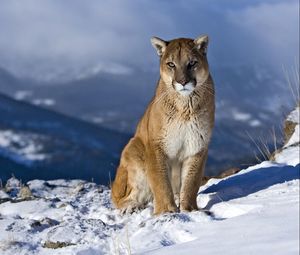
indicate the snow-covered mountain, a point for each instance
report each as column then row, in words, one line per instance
column 38, row 143
column 253, row 212
column 118, row 101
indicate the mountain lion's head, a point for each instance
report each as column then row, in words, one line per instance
column 183, row 63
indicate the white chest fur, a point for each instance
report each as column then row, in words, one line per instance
column 185, row 139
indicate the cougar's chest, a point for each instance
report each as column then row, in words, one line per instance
column 186, row 138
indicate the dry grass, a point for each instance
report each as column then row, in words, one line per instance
column 266, row 149
column 292, row 78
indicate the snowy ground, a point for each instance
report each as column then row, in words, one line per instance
column 253, row 212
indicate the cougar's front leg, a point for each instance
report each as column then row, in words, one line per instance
column 157, row 172
column 192, row 172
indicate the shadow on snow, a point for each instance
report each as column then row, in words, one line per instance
column 244, row 184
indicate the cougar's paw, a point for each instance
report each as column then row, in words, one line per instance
column 165, row 209
column 131, row 208
column 188, row 207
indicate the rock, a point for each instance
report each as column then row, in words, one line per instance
column 291, row 133
column 79, row 188
column 50, row 222
column 290, row 124
column 13, row 186
column 62, row 205
column 25, row 192
column 3, row 200
column 40, row 225
column 226, row 173
column 289, row 128
column 56, row 245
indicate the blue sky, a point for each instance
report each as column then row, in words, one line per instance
column 63, row 38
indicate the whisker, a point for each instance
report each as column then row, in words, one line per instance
column 204, row 89
column 157, row 100
column 205, row 86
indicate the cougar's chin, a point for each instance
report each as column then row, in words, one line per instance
column 185, row 90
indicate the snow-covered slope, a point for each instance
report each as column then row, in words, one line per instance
column 40, row 143
column 253, row 212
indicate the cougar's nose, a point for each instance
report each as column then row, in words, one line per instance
column 183, row 81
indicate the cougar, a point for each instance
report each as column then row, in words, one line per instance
column 164, row 161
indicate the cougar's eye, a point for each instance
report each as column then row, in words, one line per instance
column 192, row 63
column 171, row 64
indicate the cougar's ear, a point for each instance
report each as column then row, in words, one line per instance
column 159, row 44
column 201, row 43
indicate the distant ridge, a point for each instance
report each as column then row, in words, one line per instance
column 74, row 148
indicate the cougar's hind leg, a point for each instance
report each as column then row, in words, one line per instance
column 130, row 190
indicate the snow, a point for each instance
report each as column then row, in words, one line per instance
column 21, row 146
column 241, row 116
column 289, row 155
column 245, row 117
column 3, row 194
column 98, row 120
column 254, row 123
column 44, row 101
column 294, row 115
column 22, row 94
column 255, row 211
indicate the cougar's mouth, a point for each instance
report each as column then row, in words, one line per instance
column 186, row 89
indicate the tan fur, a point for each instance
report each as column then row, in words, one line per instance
column 164, row 161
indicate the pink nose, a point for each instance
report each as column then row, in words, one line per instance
column 183, row 82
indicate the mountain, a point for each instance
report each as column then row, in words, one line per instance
column 118, row 101
column 39, row 143
column 243, row 122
